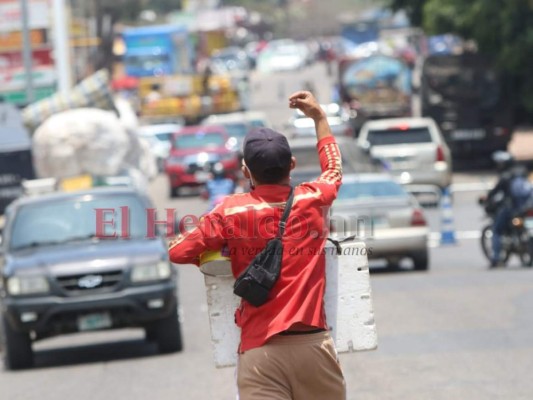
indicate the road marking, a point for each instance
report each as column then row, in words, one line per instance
column 471, row 186
column 434, row 237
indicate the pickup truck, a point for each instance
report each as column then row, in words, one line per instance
column 82, row 261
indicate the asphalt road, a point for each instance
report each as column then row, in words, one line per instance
column 458, row 331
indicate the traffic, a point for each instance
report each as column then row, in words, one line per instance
column 96, row 183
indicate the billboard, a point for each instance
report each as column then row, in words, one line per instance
column 11, row 15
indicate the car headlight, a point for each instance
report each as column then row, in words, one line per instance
column 24, row 285
column 151, row 272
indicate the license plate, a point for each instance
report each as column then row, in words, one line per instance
column 528, row 223
column 94, row 321
column 400, row 159
column 202, row 176
column 468, row 134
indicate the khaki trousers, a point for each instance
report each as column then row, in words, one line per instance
column 295, row 367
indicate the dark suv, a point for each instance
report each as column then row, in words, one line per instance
column 82, row 261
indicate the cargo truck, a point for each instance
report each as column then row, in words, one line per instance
column 471, row 102
column 165, row 59
column 377, row 86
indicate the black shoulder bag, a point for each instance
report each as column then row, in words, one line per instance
column 254, row 284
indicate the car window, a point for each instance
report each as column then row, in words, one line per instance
column 199, row 140
column 369, row 190
column 75, row 219
column 148, row 61
column 399, row 136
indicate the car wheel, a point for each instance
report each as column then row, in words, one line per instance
column 18, row 353
column 421, row 260
column 174, row 192
column 526, row 255
column 486, row 245
column 168, row 333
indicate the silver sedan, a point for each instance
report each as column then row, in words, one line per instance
column 379, row 211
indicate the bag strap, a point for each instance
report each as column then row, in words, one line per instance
column 338, row 243
column 286, row 212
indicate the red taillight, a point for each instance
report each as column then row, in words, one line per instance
column 440, row 154
column 529, row 213
column 418, row 218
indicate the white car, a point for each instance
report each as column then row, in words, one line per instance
column 282, row 55
column 238, row 124
column 412, row 149
column 301, row 126
column 159, row 138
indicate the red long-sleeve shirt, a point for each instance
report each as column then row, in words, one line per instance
column 245, row 222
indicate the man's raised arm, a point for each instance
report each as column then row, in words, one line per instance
column 328, row 150
column 306, row 103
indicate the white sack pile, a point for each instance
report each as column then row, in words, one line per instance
column 89, row 141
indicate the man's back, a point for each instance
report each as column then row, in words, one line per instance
column 251, row 220
column 244, row 223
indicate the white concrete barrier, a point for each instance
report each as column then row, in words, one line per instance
column 348, row 303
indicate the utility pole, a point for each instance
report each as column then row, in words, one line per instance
column 27, row 52
column 61, row 47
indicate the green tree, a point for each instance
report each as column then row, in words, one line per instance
column 503, row 29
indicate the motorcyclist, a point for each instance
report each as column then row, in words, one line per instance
column 218, row 186
column 512, row 185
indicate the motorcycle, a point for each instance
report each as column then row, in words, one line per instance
column 516, row 239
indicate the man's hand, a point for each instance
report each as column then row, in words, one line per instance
column 306, row 103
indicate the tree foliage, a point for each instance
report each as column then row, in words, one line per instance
column 503, row 29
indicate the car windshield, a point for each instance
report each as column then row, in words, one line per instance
column 306, row 157
column 148, row 62
column 399, row 135
column 257, row 123
column 369, row 190
column 164, row 137
column 452, row 79
column 236, row 130
column 75, row 219
column 354, row 160
column 199, row 140
column 287, row 50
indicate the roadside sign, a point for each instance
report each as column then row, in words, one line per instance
column 11, row 15
column 14, row 40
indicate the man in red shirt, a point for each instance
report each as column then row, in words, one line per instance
column 286, row 351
